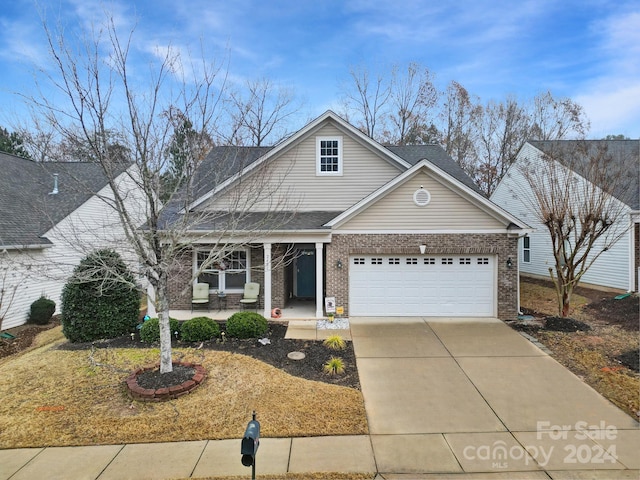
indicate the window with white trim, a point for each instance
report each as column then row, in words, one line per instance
column 526, row 249
column 358, row 261
column 329, row 155
column 226, row 273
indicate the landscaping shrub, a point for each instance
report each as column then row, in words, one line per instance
column 100, row 300
column 199, row 329
column 42, row 310
column 334, row 366
column 150, row 330
column 335, row 342
column 247, row 325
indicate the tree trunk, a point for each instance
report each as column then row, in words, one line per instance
column 567, row 292
column 162, row 305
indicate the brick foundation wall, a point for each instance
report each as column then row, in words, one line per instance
column 342, row 246
column 180, row 278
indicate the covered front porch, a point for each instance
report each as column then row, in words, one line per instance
column 290, row 272
column 295, row 310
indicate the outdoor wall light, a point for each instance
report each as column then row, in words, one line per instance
column 509, row 262
column 423, row 248
column 339, row 264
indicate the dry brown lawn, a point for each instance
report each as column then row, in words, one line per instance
column 591, row 355
column 54, row 397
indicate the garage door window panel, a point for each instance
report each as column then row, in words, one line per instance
column 451, row 285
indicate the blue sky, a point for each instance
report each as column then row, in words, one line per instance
column 588, row 50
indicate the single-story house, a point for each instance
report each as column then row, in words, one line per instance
column 332, row 214
column 618, row 266
column 52, row 214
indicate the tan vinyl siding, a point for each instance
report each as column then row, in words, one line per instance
column 294, row 172
column 447, row 210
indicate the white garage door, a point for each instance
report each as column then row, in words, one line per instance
column 442, row 285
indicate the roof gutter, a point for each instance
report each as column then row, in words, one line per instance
column 24, row 247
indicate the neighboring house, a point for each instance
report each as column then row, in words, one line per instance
column 52, row 214
column 386, row 231
column 618, row 266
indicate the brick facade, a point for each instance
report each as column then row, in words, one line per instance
column 344, row 245
column 180, row 279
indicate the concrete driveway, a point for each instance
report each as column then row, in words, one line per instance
column 472, row 395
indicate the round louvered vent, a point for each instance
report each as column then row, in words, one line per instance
column 421, row 197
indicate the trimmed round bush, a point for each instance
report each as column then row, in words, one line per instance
column 150, row 330
column 100, row 300
column 42, row 310
column 199, row 329
column 246, row 325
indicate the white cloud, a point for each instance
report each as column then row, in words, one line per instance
column 613, row 109
column 22, row 41
column 612, row 98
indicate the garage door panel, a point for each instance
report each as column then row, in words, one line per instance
column 445, row 285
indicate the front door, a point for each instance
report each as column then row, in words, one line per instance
column 306, row 274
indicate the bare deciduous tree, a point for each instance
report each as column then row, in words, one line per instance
column 459, row 119
column 364, row 100
column 98, row 97
column 503, row 128
column 576, row 187
column 260, row 115
column 557, row 118
column 413, row 95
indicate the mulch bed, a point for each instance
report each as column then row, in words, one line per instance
column 631, row 359
column 624, row 312
column 275, row 353
column 24, row 337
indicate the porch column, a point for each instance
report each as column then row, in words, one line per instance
column 319, row 280
column 267, row 280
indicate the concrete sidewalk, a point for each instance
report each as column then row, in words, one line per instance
column 163, row 461
column 445, row 399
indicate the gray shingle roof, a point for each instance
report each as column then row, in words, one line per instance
column 28, row 210
column 436, row 155
column 622, row 155
column 265, row 221
column 223, row 162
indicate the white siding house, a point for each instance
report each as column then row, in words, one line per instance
column 616, row 267
column 45, row 231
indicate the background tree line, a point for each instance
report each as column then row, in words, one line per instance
column 401, row 107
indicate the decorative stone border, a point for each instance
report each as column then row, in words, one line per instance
column 164, row 394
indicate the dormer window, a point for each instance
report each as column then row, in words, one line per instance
column 329, row 155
